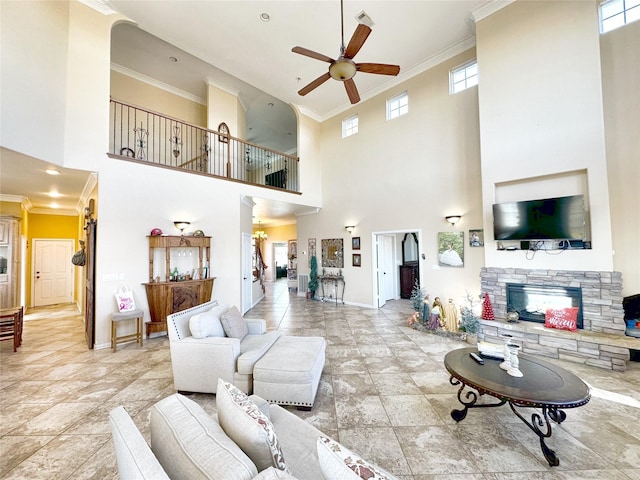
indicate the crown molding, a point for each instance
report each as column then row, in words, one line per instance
column 489, row 8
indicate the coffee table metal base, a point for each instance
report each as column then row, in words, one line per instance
column 540, row 424
column 547, row 388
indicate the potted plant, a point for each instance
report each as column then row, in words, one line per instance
column 470, row 323
column 313, row 277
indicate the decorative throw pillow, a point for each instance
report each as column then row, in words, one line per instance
column 563, row 319
column 248, row 427
column 206, row 324
column 339, row 463
column 274, row 474
column 234, row 325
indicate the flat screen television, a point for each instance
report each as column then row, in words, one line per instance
column 560, row 218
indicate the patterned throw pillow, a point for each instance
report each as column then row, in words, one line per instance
column 248, row 427
column 234, row 325
column 339, row 463
column 563, row 319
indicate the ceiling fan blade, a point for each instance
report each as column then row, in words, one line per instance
column 379, row 68
column 352, row 91
column 315, row 84
column 357, row 40
column 310, row 53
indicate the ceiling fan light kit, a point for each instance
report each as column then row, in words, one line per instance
column 344, row 68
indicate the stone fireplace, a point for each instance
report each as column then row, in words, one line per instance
column 601, row 293
column 601, row 342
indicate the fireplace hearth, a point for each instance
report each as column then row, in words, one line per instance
column 532, row 301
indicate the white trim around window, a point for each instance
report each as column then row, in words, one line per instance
column 350, row 126
column 398, row 105
column 617, row 13
column 463, row 77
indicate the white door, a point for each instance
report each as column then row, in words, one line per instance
column 384, row 246
column 52, row 271
column 247, row 275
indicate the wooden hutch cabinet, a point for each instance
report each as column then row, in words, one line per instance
column 178, row 277
column 9, row 262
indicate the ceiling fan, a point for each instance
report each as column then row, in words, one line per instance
column 344, row 68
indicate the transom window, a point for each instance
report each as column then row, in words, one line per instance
column 463, row 77
column 349, row 126
column 616, row 13
column 398, row 105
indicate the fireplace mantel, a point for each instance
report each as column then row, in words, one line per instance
column 602, row 341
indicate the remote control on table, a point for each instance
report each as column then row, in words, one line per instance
column 477, row 358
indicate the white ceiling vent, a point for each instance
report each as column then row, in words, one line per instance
column 365, row 19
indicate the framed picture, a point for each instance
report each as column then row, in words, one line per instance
column 356, row 259
column 476, row 238
column 451, row 249
column 355, row 243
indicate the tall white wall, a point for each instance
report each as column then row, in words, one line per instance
column 406, row 174
column 34, row 37
column 621, row 91
column 131, row 207
column 540, row 97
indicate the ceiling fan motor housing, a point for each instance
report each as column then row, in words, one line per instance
column 342, row 69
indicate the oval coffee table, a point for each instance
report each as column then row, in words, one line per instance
column 543, row 385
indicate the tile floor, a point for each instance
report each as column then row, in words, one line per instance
column 384, row 393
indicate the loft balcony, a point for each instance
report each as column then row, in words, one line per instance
column 144, row 136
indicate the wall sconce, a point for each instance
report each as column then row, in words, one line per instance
column 181, row 226
column 453, row 219
column 350, row 228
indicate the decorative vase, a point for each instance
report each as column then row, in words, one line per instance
column 514, row 371
column 506, row 364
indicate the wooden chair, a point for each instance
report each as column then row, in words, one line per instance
column 11, row 322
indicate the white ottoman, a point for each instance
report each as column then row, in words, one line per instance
column 289, row 373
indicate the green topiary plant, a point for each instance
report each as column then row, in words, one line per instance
column 313, row 276
column 469, row 322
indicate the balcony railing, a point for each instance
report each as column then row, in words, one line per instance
column 151, row 137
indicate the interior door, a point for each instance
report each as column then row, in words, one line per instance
column 384, row 247
column 89, row 278
column 247, row 275
column 52, row 271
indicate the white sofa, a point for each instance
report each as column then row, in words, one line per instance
column 187, row 443
column 199, row 362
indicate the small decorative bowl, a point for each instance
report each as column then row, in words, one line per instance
column 512, row 317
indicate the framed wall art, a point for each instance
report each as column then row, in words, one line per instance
column 355, row 243
column 451, row 249
column 332, row 253
column 476, row 238
column 356, row 259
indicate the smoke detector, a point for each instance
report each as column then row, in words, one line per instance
column 365, row 19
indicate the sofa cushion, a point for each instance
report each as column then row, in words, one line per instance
column 135, row 458
column 206, row 324
column 246, row 425
column 233, row 323
column 189, row 444
column 297, row 439
column 253, row 348
column 340, row 463
column 274, row 474
column 219, row 309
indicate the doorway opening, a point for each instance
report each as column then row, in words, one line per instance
column 396, row 264
column 280, row 260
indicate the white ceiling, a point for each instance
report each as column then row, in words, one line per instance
column 227, row 44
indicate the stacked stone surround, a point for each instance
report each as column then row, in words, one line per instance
column 602, row 341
